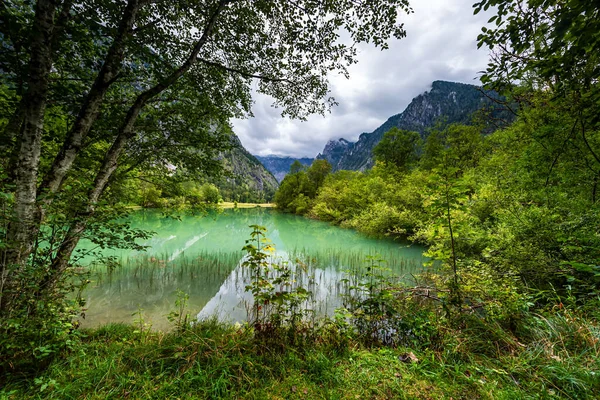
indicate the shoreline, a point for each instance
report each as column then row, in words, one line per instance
column 229, row 204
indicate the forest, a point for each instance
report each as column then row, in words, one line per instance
column 108, row 104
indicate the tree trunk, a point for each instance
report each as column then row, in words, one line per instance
column 110, row 163
column 14, row 127
column 22, row 228
column 21, row 231
column 90, row 109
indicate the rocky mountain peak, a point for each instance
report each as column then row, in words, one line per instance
column 450, row 102
column 334, row 150
column 279, row 166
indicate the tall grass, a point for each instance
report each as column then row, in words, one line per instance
column 556, row 356
column 140, row 281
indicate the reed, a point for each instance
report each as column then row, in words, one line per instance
column 151, row 281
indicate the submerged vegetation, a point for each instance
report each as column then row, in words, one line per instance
column 215, row 279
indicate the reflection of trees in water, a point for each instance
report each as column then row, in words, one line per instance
column 208, row 250
column 343, row 247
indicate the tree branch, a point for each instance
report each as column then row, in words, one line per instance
column 504, row 104
column 90, row 109
column 587, row 143
column 246, row 74
column 110, row 163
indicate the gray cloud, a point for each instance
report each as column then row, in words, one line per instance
column 440, row 45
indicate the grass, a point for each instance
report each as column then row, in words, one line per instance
column 228, row 204
column 557, row 357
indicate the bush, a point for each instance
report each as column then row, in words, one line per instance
column 38, row 326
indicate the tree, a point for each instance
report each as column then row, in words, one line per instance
column 317, row 172
column 210, row 193
column 458, row 146
column 301, row 185
column 553, row 42
column 296, row 167
column 219, row 48
column 292, row 187
column 398, row 147
column 551, row 47
column 139, row 78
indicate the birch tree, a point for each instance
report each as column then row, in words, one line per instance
column 110, row 64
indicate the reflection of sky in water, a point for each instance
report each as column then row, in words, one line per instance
column 189, row 254
column 188, row 244
column 232, row 302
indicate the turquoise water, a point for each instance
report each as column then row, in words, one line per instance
column 201, row 256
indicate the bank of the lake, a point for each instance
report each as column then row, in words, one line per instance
column 229, row 204
column 212, row 361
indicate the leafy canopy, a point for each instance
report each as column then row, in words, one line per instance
column 398, row 147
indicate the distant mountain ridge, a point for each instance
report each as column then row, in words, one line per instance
column 279, row 166
column 452, row 101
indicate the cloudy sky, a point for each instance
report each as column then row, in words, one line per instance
column 440, row 45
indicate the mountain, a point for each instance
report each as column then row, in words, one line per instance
column 279, row 166
column 334, row 151
column 450, row 102
column 249, row 180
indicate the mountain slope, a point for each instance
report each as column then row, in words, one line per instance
column 249, row 180
column 453, row 102
column 280, row 166
column 335, row 150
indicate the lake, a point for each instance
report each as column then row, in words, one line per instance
column 201, row 256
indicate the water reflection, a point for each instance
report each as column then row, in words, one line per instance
column 201, row 256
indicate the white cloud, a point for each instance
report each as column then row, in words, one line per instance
column 440, row 45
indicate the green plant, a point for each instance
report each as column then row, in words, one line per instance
column 142, row 327
column 181, row 316
column 370, row 300
column 278, row 299
column 41, row 323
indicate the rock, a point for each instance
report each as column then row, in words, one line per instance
column 279, row 166
column 408, row 358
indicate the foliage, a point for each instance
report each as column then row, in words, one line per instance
column 371, row 304
column 554, row 356
column 400, row 148
column 39, row 330
column 379, row 202
column 517, row 207
column 97, row 94
column 298, row 189
column 457, row 146
column 43, row 322
column 278, row 301
column 181, row 316
column 509, row 304
column 553, row 43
